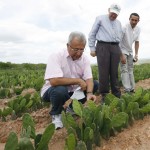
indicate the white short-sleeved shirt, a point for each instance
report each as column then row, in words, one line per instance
column 130, row 35
column 60, row 64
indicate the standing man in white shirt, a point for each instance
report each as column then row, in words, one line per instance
column 104, row 39
column 131, row 33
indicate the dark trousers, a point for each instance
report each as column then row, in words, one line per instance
column 58, row 95
column 108, row 58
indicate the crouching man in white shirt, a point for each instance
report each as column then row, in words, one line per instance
column 68, row 74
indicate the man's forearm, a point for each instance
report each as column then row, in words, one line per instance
column 64, row 81
column 89, row 83
column 136, row 47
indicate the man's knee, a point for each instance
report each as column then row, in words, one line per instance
column 124, row 69
column 52, row 92
column 61, row 90
column 59, row 95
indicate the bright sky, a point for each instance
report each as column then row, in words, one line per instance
column 32, row 29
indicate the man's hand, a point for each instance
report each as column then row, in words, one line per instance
column 123, row 59
column 67, row 103
column 135, row 58
column 93, row 53
column 82, row 84
column 90, row 96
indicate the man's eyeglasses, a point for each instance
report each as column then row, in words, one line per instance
column 76, row 49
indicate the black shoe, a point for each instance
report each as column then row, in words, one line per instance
column 132, row 91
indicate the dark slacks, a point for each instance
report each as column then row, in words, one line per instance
column 108, row 58
column 58, row 95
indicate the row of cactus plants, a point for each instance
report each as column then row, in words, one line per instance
column 102, row 121
column 141, row 72
column 23, row 79
column 27, row 77
column 8, row 93
column 28, row 139
column 21, row 104
column 97, row 121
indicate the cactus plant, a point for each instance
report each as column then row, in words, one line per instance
column 12, row 142
column 81, row 145
column 70, row 142
column 47, row 135
column 25, row 144
column 28, row 121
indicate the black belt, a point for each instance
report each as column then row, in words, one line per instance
column 112, row 43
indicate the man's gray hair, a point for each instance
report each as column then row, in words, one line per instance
column 76, row 34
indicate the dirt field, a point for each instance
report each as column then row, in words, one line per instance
column 136, row 137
